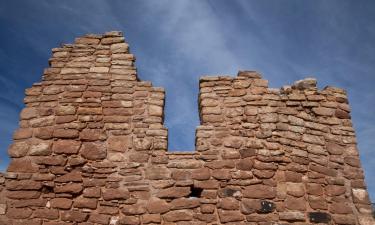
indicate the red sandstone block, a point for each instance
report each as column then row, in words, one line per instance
column 18, row 213
column 61, row 203
column 50, row 214
column 73, row 216
column 259, row 191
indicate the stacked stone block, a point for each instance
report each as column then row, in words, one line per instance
column 92, row 149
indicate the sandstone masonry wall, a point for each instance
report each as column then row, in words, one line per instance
column 92, row 149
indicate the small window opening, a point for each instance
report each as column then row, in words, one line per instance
column 195, row 192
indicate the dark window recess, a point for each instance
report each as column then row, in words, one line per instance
column 228, row 192
column 195, row 192
column 319, row 217
column 266, row 207
column 47, row 189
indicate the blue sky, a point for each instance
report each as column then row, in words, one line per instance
column 176, row 42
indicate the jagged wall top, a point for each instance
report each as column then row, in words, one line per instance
column 92, row 149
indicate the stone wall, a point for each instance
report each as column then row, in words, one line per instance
column 92, row 149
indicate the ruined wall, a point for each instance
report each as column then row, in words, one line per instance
column 92, row 149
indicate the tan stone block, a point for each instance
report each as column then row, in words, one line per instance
column 201, row 174
column 295, row 189
column 119, row 48
column 263, row 174
column 151, row 218
column 230, row 216
column 93, row 150
column 113, row 194
column 181, row 175
column 40, row 148
column 74, row 216
column 73, row 188
column 99, row 70
column 28, row 113
column 334, row 190
column 88, row 203
column 99, row 218
column 292, row 216
column 174, row 192
column 314, row 189
column 65, row 110
column 89, row 111
column 61, row 203
column 157, row 173
column 22, row 165
column 65, row 133
column 313, row 139
column 156, row 205
column 334, row 149
column 22, row 133
column 323, row 170
column 87, row 41
column 66, row 146
column 23, row 194
column 15, row 185
column 323, row 111
column 341, row 114
column 44, row 132
column 139, row 157
column 317, row 202
column 119, row 143
column 259, row 191
column 92, row 134
column 228, row 203
column 155, row 110
column 344, row 219
column 18, row 149
column 50, row 214
column 18, row 213
column 112, row 40
column 221, row 174
column 134, row 209
column 184, row 203
column 360, row 196
column 178, row 215
column 185, row 164
column 207, row 184
column 295, row 203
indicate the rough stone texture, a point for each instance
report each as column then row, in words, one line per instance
column 92, row 149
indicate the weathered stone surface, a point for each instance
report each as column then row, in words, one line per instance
column 112, row 194
column 66, row 147
column 73, row 188
column 93, row 150
column 73, row 216
column 61, row 203
column 19, row 213
column 334, row 148
column 157, row 173
column 230, row 216
column 174, row 192
column 50, row 214
column 292, row 216
column 259, row 191
column 18, row 149
column 23, row 165
column 156, row 205
column 119, row 143
column 178, row 215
